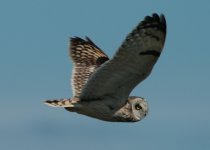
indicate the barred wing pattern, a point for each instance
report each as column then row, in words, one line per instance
column 131, row 64
column 86, row 57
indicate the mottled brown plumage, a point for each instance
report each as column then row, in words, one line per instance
column 86, row 57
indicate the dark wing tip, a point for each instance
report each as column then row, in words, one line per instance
column 163, row 21
column 86, row 52
column 155, row 20
column 77, row 40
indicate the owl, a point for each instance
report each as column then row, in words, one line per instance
column 101, row 86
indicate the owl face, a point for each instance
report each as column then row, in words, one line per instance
column 135, row 109
column 139, row 107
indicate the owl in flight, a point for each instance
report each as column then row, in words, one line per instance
column 101, row 86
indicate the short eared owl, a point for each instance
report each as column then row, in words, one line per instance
column 101, row 86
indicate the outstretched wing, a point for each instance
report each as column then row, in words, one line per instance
column 86, row 57
column 131, row 64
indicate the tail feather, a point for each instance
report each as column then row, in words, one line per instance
column 60, row 102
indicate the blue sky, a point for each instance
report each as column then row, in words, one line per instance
column 35, row 65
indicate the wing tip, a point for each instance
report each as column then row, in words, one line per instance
column 156, row 20
column 163, row 21
column 75, row 40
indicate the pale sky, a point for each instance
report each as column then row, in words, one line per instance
column 34, row 64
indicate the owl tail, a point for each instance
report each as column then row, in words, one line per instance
column 61, row 102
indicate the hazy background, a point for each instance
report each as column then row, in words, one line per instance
column 34, row 65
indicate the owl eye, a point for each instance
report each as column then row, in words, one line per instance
column 138, row 107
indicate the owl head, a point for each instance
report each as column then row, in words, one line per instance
column 139, row 107
column 135, row 109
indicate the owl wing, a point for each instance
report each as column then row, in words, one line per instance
column 131, row 64
column 86, row 57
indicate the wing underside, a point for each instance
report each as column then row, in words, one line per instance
column 86, row 57
column 131, row 64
